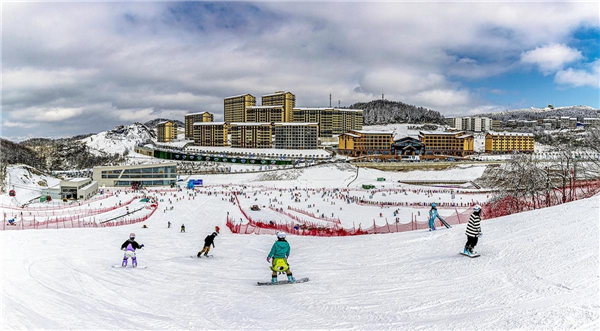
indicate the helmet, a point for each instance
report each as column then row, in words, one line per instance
column 281, row 235
column 433, row 205
column 132, row 235
column 477, row 208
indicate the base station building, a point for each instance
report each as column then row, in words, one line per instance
column 160, row 174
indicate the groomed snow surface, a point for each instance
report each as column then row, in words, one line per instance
column 537, row 270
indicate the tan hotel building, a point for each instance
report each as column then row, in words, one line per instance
column 167, row 131
column 509, row 142
column 332, row 121
column 251, row 135
column 296, row 135
column 285, row 99
column 361, row 143
column 210, row 134
column 447, row 143
column 265, row 114
column 190, row 119
column 235, row 107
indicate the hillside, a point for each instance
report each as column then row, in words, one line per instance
column 386, row 112
column 121, row 139
column 529, row 276
column 578, row 112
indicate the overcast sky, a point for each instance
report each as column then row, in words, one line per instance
column 74, row 68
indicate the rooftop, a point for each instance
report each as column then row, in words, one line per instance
column 372, row 132
column 237, row 96
column 208, row 123
column 442, row 133
column 200, row 113
column 276, row 93
column 263, row 107
column 505, row 133
column 295, row 124
column 250, row 123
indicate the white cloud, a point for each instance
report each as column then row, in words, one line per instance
column 580, row 77
column 446, row 99
column 550, row 58
column 140, row 115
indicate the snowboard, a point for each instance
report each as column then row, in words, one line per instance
column 446, row 224
column 196, row 257
column 129, row 266
column 284, row 282
column 470, row 255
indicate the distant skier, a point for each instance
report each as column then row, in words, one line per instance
column 280, row 253
column 473, row 231
column 129, row 247
column 182, row 228
column 209, row 240
column 169, row 224
column 433, row 214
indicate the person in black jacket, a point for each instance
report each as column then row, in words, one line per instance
column 209, row 240
column 129, row 247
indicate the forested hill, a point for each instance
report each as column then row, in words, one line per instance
column 386, row 112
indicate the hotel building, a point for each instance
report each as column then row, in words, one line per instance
column 360, row 143
column 509, row 142
column 447, row 143
column 251, row 135
column 235, row 107
column 296, row 135
column 167, row 131
column 190, row 119
column 332, row 121
column 210, row 134
column 286, row 100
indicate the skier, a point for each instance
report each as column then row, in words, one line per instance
column 433, row 214
column 182, row 228
column 473, row 231
column 169, row 224
column 209, row 240
column 280, row 253
column 129, row 247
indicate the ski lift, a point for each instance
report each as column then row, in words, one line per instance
column 12, row 193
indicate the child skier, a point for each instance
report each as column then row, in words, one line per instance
column 473, row 231
column 433, row 214
column 280, row 253
column 209, row 240
column 129, row 247
column 182, row 228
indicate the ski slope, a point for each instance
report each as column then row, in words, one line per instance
column 538, row 270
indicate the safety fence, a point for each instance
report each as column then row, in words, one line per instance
column 321, row 217
column 416, row 205
column 57, row 207
column 65, row 223
column 509, row 204
column 71, row 212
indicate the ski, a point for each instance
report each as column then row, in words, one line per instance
column 470, row 255
column 196, row 257
column 284, row 282
column 118, row 266
column 446, row 224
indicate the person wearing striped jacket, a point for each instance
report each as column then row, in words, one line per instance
column 473, row 230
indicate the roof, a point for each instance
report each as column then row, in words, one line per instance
column 163, row 122
column 505, row 133
column 350, row 134
column 208, row 123
column 250, row 123
column 89, row 185
column 263, row 107
column 464, row 136
column 237, row 96
column 373, row 132
column 276, row 93
column 443, row 133
column 78, row 180
column 295, row 124
column 201, row 113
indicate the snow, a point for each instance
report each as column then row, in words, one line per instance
column 27, row 182
column 537, row 270
column 116, row 143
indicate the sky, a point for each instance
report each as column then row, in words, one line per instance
column 82, row 67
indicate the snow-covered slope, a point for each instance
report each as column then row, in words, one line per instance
column 537, row 270
column 27, row 182
column 119, row 139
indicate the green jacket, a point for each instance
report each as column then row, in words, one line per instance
column 280, row 249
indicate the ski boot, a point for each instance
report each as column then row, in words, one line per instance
column 199, row 255
column 134, row 262
column 466, row 251
column 274, row 280
column 206, row 254
column 124, row 264
column 291, row 279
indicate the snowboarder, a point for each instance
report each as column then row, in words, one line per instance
column 169, row 224
column 280, row 253
column 209, row 240
column 433, row 214
column 182, row 228
column 129, row 246
column 473, row 231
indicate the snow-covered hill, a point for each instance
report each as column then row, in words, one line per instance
column 537, row 270
column 118, row 140
column 27, row 182
column 578, row 112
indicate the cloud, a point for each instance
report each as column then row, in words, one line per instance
column 580, row 77
column 550, row 58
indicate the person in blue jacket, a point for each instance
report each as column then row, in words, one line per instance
column 280, row 253
column 433, row 214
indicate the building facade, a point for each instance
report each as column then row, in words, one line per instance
column 509, row 142
column 161, row 174
column 472, row 124
column 251, row 135
column 78, row 188
column 296, row 135
column 235, row 107
column 265, row 114
column 210, row 134
column 447, row 143
column 408, row 146
column 363, row 143
column 167, row 131
column 286, row 100
column 332, row 121
column 190, row 119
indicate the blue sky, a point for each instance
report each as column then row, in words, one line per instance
column 73, row 68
